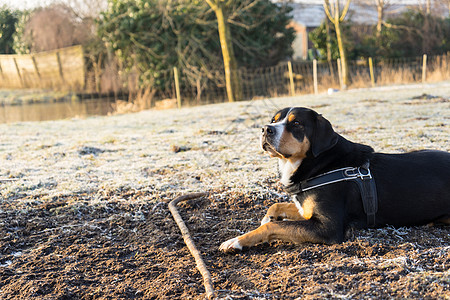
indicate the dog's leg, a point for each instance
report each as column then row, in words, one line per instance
column 282, row 211
column 289, row 231
column 444, row 220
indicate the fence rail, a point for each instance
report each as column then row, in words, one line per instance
column 68, row 69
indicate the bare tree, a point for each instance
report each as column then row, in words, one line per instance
column 55, row 27
column 329, row 55
column 336, row 16
column 444, row 4
column 221, row 9
column 381, row 6
column 87, row 8
column 427, row 6
column 440, row 8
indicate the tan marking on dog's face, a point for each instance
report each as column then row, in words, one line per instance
column 292, row 148
column 291, row 118
column 277, row 117
column 308, row 206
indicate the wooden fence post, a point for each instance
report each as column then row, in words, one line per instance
column 18, row 73
column 61, row 73
column 1, row 70
column 291, row 79
column 372, row 78
column 316, row 90
column 36, row 69
column 424, row 68
column 177, row 86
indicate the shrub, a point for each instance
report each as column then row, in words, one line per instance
column 8, row 21
column 150, row 37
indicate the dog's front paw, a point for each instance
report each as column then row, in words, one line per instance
column 231, row 245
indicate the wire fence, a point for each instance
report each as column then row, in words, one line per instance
column 276, row 81
column 103, row 78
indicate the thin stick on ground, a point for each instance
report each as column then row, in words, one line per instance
column 207, row 281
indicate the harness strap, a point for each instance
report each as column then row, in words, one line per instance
column 368, row 192
column 360, row 175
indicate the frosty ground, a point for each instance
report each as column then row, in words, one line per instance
column 84, row 203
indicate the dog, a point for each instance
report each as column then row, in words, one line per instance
column 335, row 183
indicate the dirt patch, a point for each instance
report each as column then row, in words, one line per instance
column 130, row 248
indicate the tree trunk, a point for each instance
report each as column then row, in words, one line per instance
column 329, row 56
column 380, row 13
column 342, row 53
column 234, row 91
column 335, row 15
column 342, row 56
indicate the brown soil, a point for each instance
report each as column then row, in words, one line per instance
column 95, row 247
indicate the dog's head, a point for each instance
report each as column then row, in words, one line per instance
column 296, row 132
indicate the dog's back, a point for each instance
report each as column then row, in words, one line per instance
column 416, row 187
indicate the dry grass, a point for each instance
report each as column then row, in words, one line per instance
column 439, row 70
column 138, row 101
column 390, row 76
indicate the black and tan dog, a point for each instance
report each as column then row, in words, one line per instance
column 411, row 188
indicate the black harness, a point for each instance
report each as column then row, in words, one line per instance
column 360, row 175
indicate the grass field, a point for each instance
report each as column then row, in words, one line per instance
column 83, row 211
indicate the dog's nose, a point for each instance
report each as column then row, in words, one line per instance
column 268, row 130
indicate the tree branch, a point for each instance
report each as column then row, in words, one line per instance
column 242, row 8
column 345, row 10
column 326, row 7
column 403, row 27
column 212, row 4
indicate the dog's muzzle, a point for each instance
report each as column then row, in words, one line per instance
column 268, row 132
column 270, row 139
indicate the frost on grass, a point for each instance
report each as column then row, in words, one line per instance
column 203, row 148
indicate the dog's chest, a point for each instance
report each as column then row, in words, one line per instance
column 287, row 168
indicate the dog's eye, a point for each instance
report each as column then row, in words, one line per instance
column 273, row 120
column 296, row 123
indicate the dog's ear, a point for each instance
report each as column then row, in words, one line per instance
column 323, row 137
